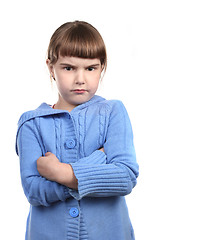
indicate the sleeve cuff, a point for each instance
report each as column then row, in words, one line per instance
column 96, row 158
column 98, row 179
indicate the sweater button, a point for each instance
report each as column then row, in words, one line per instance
column 70, row 143
column 74, row 212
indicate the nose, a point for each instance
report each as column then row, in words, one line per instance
column 80, row 78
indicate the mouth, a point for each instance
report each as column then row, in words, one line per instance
column 79, row 91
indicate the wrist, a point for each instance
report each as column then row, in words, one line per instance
column 65, row 176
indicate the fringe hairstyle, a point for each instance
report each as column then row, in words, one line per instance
column 77, row 39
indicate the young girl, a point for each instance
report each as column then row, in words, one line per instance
column 77, row 157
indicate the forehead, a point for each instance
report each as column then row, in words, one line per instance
column 77, row 61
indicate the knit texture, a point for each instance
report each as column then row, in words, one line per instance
column 98, row 209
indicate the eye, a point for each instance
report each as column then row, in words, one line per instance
column 68, row 68
column 90, row 69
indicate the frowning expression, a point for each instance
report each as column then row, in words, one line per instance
column 77, row 80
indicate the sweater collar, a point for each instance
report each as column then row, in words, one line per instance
column 47, row 107
column 45, row 110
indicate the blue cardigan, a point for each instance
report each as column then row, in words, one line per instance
column 97, row 211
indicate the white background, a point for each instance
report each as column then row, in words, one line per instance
column 166, row 63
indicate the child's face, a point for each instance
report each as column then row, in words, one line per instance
column 77, row 80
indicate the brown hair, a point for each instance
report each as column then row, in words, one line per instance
column 77, row 39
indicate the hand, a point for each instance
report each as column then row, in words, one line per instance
column 48, row 166
column 101, row 149
column 52, row 169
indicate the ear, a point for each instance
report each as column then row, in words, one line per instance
column 50, row 68
column 102, row 67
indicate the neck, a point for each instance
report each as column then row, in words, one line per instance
column 64, row 105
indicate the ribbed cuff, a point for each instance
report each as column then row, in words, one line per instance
column 95, row 179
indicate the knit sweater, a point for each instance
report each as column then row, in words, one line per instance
column 97, row 210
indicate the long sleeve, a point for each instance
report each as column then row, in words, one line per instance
column 114, row 172
column 38, row 190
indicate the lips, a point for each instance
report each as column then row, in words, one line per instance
column 79, row 91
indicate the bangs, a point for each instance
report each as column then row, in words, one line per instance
column 77, row 40
column 81, row 45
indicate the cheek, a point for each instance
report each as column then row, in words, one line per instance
column 96, row 79
column 61, row 86
column 62, row 81
column 94, row 84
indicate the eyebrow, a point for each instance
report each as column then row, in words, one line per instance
column 70, row 65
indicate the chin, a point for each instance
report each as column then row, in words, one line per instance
column 80, row 101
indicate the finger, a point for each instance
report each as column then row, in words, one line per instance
column 47, row 154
